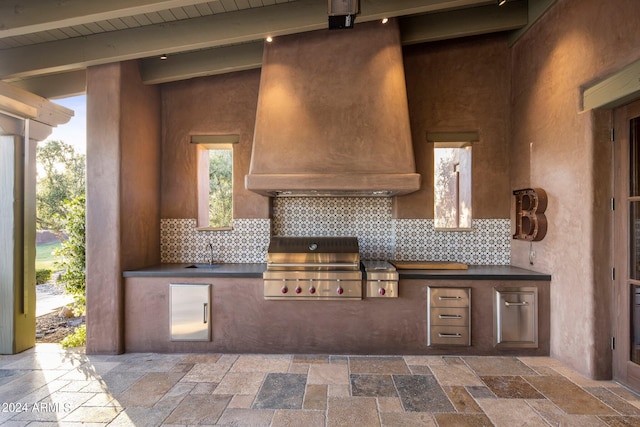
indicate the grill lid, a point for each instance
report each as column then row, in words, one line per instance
column 313, row 253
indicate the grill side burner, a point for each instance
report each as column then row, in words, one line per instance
column 382, row 279
column 313, row 268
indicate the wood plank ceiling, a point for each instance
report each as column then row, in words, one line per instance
column 45, row 46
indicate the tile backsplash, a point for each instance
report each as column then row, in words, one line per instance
column 367, row 218
column 246, row 242
column 370, row 219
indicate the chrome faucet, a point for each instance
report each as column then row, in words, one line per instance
column 210, row 246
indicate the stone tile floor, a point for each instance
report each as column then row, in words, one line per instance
column 48, row 386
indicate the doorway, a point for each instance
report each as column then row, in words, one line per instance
column 626, row 293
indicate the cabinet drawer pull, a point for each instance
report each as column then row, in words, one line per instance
column 515, row 303
column 445, row 335
column 449, row 316
column 205, row 318
column 445, row 298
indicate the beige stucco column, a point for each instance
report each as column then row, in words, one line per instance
column 24, row 119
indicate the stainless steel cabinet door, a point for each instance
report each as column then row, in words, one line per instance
column 190, row 307
column 516, row 317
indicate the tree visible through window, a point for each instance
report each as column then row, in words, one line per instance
column 452, row 186
column 215, row 180
column 220, row 187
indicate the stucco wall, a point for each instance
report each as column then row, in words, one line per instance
column 224, row 104
column 123, row 203
column 458, row 86
column 140, row 171
column 561, row 149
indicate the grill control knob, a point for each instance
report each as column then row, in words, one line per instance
column 381, row 291
column 340, row 290
column 298, row 289
column 284, row 290
column 312, row 290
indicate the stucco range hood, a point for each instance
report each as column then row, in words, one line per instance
column 332, row 117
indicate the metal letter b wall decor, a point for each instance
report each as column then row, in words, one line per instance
column 531, row 223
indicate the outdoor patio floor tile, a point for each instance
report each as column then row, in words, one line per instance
column 315, row 397
column 462, row 420
column 246, row 417
column 455, row 375
column 285, row 418
column 372, row 386
column 378, row 365
column 200, row 409
column 150, row 389
column 422, row 393
column 511, row 412
column 352, row 411
column 511, row 387
column 281, row 391
column 569, row 397
column 328, row 374
column 462, row 400
column 488, row 366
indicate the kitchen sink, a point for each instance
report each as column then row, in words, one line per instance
column 204, row 266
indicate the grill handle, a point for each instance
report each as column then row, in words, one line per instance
column 352, row 265
column 445, row 335
column 446, row 298
column 512, row 304
column 449, row 316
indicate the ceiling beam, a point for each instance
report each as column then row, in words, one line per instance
column 198, row 33
column 20, row 103
column 537, row 8
column 154, row 40
column 19, row 17
column 54, row 86
column 618, row 89
column 415, row 29
column 201, row 63
column 463, row 22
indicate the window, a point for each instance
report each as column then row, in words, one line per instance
column 452, row 180
column 215, row 180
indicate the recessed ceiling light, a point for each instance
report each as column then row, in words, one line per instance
column 269, row 39
column 501, row 2
column 385, row 20
column 163, row 56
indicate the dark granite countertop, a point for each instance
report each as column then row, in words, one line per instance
column 477, row 272
column 246, row 270
column 255, row 270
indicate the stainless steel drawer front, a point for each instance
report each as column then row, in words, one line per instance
column 449, row 297
column 449, row 335
column 450, row 316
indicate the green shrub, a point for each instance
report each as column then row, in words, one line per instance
column 43, row 276
column 72, row 251
column 77, row 339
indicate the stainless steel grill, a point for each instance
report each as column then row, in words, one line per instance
column 310, row 268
